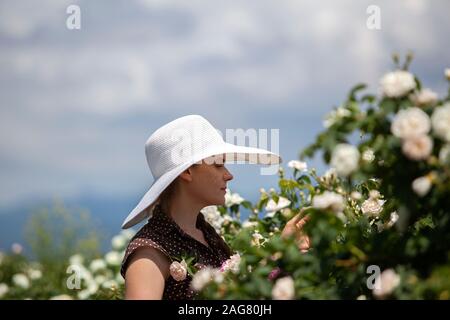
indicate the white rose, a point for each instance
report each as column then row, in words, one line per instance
column 335, row 115
column 417, row 148
column 62, row 297
column 113, row 258
column 273, row 206
column 372, row 207
column 249, row 224
column 118, row 242
column 342, row 112
column 392, row 219
column 34, row 274
column 97, row 264
column 235, row 261
column 178, row 270
column 110, row 284
column 345, row 158
column 299, row 165
column 257, row 239
column 329, row 176
column 283, row 289
column 92, row 287
column 232, row 198
column 231, row 264
column 16, row 248
column 3, row 289
column 355, row 195
column 374, row 194
column 444, row 154
column 83, row 272
column 368, row 155
column 76, row 259
column 447, row 73
column 385, row 283
column 397, row 84
column 213, row 217
column 99, row 279
column 421, row 185
column 440, row 120
column 411, row 122
column 128, row 233
column 21, row 280
column 217, row 275
column 329, row 120
column 424, row 97
column 83, row 294
column 329, row 200
column 201, row 278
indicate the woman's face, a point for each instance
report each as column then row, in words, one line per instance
column 209, row 181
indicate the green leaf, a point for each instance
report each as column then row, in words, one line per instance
column 354, row 90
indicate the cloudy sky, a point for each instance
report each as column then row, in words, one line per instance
column 76, row 106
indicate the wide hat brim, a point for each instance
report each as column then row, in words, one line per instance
column 232, row 153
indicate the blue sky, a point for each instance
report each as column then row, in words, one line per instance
column 76, row 106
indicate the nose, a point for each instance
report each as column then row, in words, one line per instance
column 227, row 176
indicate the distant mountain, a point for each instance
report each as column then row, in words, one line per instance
column 107, row 214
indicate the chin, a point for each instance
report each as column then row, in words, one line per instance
column 217, row 202
column 221, row 202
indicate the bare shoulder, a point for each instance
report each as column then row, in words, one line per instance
column 145, row 276
column 142, row 254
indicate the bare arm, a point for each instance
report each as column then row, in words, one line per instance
column 146, row 273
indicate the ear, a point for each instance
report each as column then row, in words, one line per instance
column 186, row 175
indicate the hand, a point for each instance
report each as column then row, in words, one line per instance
column 294, row 227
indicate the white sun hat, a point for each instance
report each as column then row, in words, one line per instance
column 178, row 145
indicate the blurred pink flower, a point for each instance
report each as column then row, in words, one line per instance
column 274, row 274
column 178, row 270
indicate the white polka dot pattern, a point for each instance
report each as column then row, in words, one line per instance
column 162, row 233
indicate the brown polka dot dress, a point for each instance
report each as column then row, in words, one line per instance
column 162, row 233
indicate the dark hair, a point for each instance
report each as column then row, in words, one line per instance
column 167, row 194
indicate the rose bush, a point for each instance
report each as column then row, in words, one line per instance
column 379, row 218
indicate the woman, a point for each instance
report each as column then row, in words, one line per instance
column 186, row 157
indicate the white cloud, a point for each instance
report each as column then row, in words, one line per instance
column 416, row 6
column 21, row 19
column 67, row 97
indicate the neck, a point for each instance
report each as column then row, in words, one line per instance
column 184, row 211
